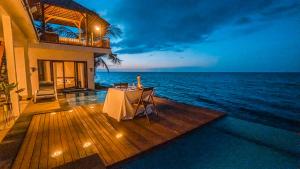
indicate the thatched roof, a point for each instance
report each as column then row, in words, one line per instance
column 67, row 12
column 69, row 4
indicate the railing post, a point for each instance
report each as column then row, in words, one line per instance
column 86, row 29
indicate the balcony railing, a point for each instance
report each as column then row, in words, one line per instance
column 55, row 38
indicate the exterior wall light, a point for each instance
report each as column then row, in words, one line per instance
column 33, row 69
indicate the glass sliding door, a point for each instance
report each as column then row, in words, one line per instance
column 45, row 75
column 69, row 71
column 58, row 75
column 81, row 75
column 62, row 74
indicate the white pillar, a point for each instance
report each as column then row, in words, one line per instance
column 10, row 59
column 23, row 71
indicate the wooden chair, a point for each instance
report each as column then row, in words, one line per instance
column 146, row 99
column 121, row 85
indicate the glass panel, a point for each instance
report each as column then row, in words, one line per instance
column 58, row 74
column 44, row 71
column 81, row 75
column 69, row 74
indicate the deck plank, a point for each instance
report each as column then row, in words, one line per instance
column 38, row 145
column 64, row 140
column 84, row 131
column 31, row 145
column 43, row 162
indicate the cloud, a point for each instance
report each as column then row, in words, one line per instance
column 167, row 25
column 244, row 20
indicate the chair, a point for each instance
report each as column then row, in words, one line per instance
column 121, row 85
column 146, row 99
column 49, row 92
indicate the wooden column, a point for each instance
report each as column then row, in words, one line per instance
column 86, row 29
column 10, row 60
column 43, row 18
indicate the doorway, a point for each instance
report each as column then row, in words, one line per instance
column 62, row 74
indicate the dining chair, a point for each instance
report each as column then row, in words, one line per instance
column 146, row 99
column 121, row 85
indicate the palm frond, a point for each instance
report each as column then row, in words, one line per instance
column 113, row 31
column 114, row 58
column 99, row 61
column 65, row 32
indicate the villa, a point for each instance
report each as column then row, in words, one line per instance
column 35, row 56
column 40, row 57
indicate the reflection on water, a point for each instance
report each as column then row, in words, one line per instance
column 228, row 143
column 87, row 97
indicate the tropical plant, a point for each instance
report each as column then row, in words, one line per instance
column 112, row 31
column 6, row 88
column 99, row 60
column 63, row 31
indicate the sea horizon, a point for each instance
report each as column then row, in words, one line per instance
column 269, row 98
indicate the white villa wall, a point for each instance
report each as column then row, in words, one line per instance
column 36, row 53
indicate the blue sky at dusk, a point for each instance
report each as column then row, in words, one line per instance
column 204, row 35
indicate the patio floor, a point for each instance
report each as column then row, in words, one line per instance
column 84, row 136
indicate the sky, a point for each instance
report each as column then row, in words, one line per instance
column 204, row 35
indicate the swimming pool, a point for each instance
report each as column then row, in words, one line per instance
column 222, row 145
column 226, row 143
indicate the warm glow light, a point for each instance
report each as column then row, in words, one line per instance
column 53, row 113
column 56, row 154
column 119, row 135
column 87, row 144
column 70, row 110
column 91, row 107
column 97, row 28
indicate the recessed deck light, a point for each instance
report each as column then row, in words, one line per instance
column 87, row 144
column 56, row 153
column 119, row 135
column 53, row 113
column 71, row 110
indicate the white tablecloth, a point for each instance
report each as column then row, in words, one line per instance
column 118, row 103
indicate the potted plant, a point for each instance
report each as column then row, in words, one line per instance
column 6, row 88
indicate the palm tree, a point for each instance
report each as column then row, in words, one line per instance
column 112, row 31
column 99, row 60
column 60, row 30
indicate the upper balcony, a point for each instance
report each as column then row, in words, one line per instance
column 87, row 27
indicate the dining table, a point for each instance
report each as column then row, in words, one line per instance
column 118, row 103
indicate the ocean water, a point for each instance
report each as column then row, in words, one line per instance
column 261, row 129
column 268, row 98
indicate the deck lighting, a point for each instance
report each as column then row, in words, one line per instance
column 87, row 144
column 91, row 107
column 53, row 113
column 119, row 135
column 71, row 110
column 56, row 154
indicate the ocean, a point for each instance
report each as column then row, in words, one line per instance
column 260, row 131
column 272, row 99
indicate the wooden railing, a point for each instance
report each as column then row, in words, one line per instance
column 54, row 38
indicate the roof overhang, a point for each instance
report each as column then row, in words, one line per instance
column 20, row 17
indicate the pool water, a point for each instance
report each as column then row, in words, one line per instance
column 228, row 143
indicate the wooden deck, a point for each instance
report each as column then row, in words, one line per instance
column 63, row 138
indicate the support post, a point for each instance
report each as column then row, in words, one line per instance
column 86, row 29
column 43, row 18
column 10, row 60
